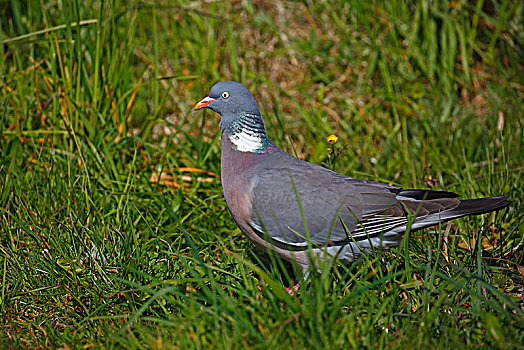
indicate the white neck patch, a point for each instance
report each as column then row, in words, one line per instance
column 245, row 142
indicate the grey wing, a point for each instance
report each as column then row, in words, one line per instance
column 334, row 208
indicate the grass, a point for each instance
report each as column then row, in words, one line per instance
column 114, row 230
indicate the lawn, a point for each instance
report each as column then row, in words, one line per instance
column 114, row 232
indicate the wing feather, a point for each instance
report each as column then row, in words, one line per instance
column 335, row 208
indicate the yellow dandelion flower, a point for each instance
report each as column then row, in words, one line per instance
column 453, row 4
column 332, row 139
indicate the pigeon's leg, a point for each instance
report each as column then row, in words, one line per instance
column 293, row 290
column 305, row 276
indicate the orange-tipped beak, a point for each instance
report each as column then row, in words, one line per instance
column 205, row 101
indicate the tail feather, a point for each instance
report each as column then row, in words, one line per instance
column 479, row 206
column 465, row 208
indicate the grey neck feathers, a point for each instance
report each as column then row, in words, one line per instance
column 247, row 134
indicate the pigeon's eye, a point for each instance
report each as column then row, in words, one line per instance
column 225, row 94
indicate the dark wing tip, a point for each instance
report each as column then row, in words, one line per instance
column 426, row 194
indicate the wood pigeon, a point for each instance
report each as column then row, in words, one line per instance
column 289, row 205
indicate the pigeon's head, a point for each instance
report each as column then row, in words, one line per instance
column 231, row 100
